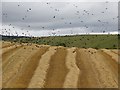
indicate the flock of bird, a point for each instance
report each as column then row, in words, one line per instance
column 8, row 31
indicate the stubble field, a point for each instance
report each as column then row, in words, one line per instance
column 44, row 66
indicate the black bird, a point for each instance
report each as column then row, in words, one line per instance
column 55, row 9
column 62, row 18
column 29, row 8
column 3, row 13
column 99, row 20
column 23, row 18
column 76, row 6
column 103, row 31
column 106, row 2
column 77, row 11
column 54, row 17
column 86, row 26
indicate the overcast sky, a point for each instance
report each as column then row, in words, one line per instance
column 58, row 18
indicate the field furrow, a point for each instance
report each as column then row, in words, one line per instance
column 88, row 77
column 40, row 73
column 116, row 51
column 8, row 45
column 112, row 64
column 73, row 71
column 106, row 76
column 8, row 54
column 7, row 49
column 44, row 66
column 15, row 63
column 113, row 55
column 57, row 72
column 24, row 76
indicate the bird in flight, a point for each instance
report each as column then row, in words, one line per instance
column 54, row 17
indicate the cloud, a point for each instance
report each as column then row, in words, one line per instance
column 79, row 17
column 59, row 0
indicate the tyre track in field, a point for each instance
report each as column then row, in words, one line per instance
column 22, row 79
column 73, row 71
column 113, row 55
column 116, row 52
column 106, row 76
column 9, row 53
column 15, row 63
column 88, row 77
column 57, row 72
column 113, row 65
column 11, row 48
column 38, row 79
column 5, row 46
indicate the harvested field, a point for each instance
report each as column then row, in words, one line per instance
column 43, row 66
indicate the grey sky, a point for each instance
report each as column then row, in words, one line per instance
column 70, row 17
